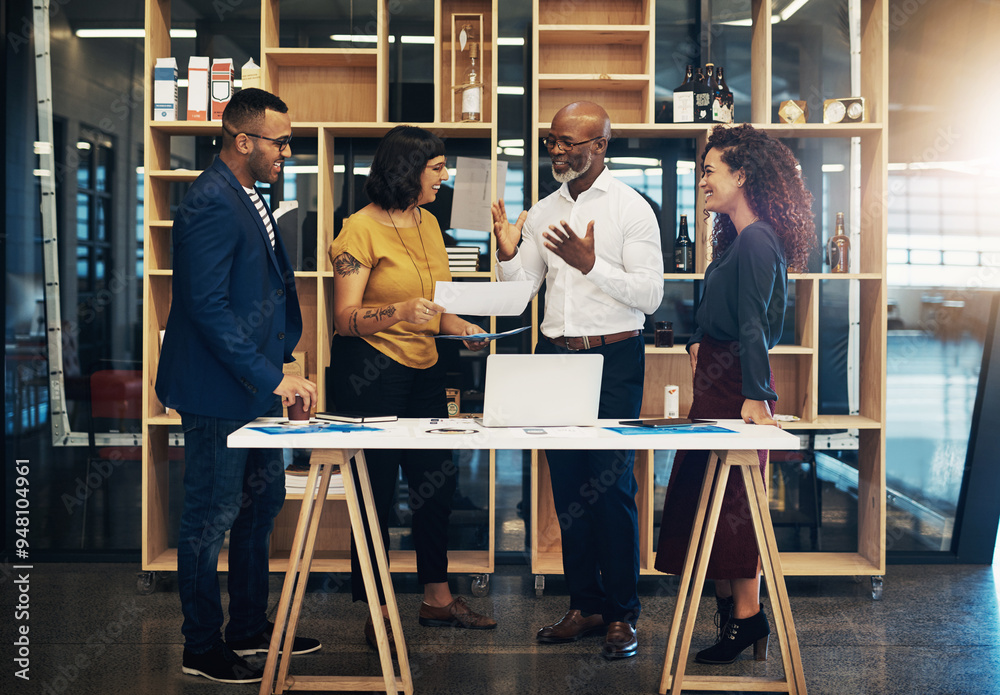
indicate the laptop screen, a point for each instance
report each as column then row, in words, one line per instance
column 542, row 390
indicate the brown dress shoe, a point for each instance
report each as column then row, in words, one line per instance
column 455, row 614
column 370, row 635
column 571, row 627
column 621, row 642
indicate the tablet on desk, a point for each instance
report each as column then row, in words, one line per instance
column 666, row 422
column 355, row 418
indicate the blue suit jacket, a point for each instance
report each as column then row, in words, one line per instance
column 234, row 317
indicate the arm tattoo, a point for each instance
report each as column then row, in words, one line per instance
column 345, row 264
column 387, row 311
column 370, row 314
column 354, row 323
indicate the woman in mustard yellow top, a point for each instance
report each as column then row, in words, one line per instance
column 384, row 359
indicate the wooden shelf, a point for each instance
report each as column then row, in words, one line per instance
column 191, row 128
column 331, row 94
column 834, row 276
column 833, row 422
column 609, row 35
column 601, row 82
column 820, row 130
column 472, row 274
column 322, row 57
column 612, row 35
column 459, row 561
column 174, row 174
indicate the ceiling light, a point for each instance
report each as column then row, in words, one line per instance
column 43, row 147
column 515, row 142
column 793, row 7
column 516, row 91
column 635, row 161
column 510, row 41
column 425, row 40
column 83, row 145
column 833, row 168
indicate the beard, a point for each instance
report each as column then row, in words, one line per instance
column 262, row 168
column 572, row 173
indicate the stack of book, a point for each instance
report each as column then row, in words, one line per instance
column 295, row 480
column 463, row 259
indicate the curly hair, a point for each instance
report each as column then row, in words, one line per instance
column 394, row 178
column 774, row 190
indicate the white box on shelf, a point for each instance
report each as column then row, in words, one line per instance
column 197, row 101
column 222, row 86
column 165, row 89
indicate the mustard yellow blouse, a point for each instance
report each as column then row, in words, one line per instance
column 404, row 263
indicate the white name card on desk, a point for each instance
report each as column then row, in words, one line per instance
column 483, row 298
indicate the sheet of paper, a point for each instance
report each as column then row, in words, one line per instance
column 474, row 194
column 483, row 298
column 485, row 336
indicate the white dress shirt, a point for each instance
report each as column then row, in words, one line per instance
column 626, row 281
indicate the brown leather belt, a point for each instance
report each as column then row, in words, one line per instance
column 590, row 341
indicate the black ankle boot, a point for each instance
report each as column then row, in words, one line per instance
column 723, row 612
column 738, row 635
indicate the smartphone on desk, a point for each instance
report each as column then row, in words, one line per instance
column 665, row 422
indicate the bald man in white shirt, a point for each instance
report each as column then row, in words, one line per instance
column 595, row 243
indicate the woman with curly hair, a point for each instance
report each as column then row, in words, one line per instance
column 763, row 227
column 383, row 358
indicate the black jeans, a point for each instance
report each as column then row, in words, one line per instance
column 362, row 379
column 594, row 496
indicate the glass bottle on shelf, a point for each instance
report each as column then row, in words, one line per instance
column 722, row 99
column 683, row 249
column 470, row 88
column 684, row 98
column 838, row 249
column 702, row 99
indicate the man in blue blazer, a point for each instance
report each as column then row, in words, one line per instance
column 234, row 321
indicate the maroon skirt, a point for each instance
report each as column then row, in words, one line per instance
column 718, row 394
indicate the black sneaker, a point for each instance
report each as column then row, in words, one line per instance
column 221, row 665
column 259, row 643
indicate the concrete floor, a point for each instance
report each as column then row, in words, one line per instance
column 935, row 630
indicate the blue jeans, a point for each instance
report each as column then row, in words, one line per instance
column 235, row 490
column 594, row 496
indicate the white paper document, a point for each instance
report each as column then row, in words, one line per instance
column 483, row 298
column 474, row 194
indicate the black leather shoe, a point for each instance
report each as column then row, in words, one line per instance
column 621, row 642
column 739, row 635
column 220, row 664
column 572, row 627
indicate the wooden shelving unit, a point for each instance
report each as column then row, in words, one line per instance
column 331, row 94
column 604, row 53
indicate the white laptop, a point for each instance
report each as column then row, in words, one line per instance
column 542, row 390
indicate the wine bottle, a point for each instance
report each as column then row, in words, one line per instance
column 683, row 249
column 722, row 99
column 702, row 98
column 472, row 86
column 838, row 249
column 684, row 98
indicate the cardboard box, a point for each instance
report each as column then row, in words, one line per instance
column 165, row 89
column 197, row 101
column 250, row 75
column 222, row 86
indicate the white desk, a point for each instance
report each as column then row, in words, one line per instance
column 338, row 448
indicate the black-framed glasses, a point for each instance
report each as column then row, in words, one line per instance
column 280, row 142
column 550, row 143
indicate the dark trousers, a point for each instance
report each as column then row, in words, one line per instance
column 362, row 379
column 594, row 495
column 235, row 490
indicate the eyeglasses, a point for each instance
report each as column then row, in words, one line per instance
column 282, row 143
column 564, row 146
